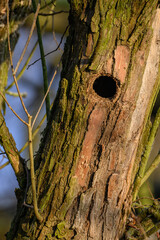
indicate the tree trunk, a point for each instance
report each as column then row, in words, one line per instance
column 91, row 147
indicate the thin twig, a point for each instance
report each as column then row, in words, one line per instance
column 39, row 217
column 141, row 198
column 150, row 170
column 51, row 51
column 29, row 38
column 150, row 190
column 10, row 53
column 13, row 110
column 146, row 154
column 13, row 94
column 4, row 165
column 48, row 4
column 29, row 124
column 43, row 61
column 54, row 35
column 27, row 205
column 2, row 153
column 51, row 14
column 28, row 60
column 44, row 98
column 36, row 131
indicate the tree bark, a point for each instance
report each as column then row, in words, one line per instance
column 91, row 147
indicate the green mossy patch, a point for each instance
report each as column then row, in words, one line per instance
column 62, row 232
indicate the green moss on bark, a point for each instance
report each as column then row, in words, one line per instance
column 62, row 232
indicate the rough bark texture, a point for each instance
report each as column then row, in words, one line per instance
column 86, row 163
column 8, row 143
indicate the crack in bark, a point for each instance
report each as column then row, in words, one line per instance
column 118, row 197
column 113, row 56
column 89, row 213
column 96, row 164
column 91, row 180
column 106, row 190
column 102, row 230
column 137, row 22
column 75, row 210
column 116, row 119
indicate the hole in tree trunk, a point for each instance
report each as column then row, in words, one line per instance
column 105, row 86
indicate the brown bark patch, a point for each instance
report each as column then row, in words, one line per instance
column 141, row 57
column 113, row 160
column 112, row 185
column 89, row 46
column 122, row 58
column 108, row 66
column 83, row 167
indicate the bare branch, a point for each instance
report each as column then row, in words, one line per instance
column 24, row 95
column 4, row 165
column 44, row 98
column 54, row 35
column 39, row 217
column 13, row 110
column 51, row 51
column 48, row 4
column 10, row 54
column 52, row 14
column 28, row 60
column 151, row 168
column 28, row 40
column 36, row 131
column 43, row 61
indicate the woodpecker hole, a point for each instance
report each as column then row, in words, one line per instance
column 105, row 86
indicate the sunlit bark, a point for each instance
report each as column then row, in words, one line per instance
column 89, row 153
